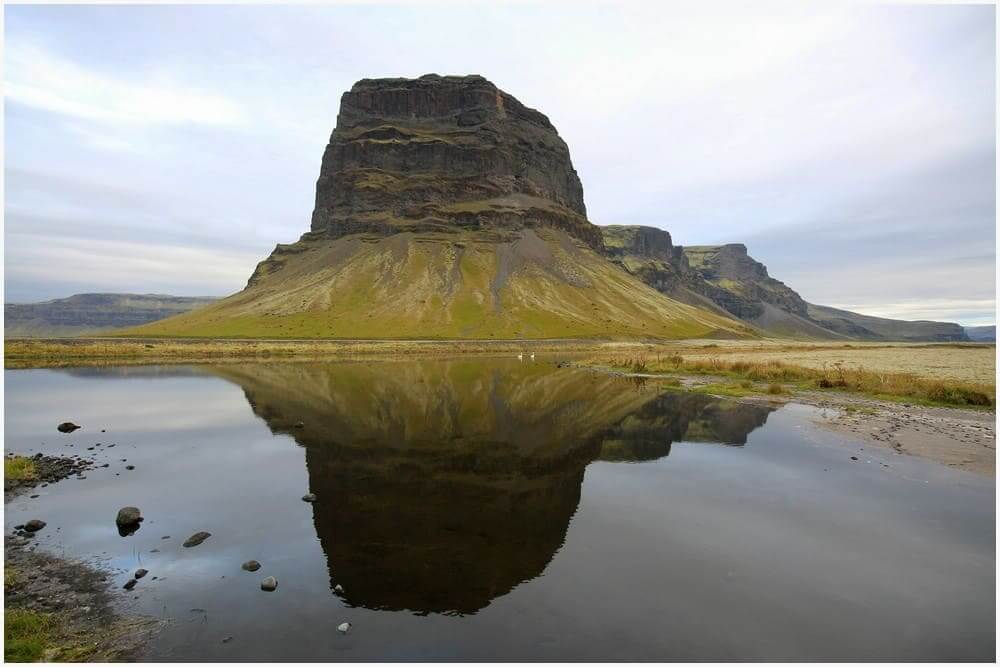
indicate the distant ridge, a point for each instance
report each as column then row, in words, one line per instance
column 92, row 313
column 984, row 334
column 738, row 285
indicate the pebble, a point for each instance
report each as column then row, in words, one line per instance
column 251, row 566
column 140, row 573
column 128, row 516
column 269, row 584
column 67, row 427
column 34, row 525
column 338, row 589
column 309, row 497
column 129, row 467
column 343, row 628
column 130, row 584
column 197, row 539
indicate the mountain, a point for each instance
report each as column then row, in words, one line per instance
column 866, row 327
column 445, row 208
column 986, row 334
column 739, row 285
column 92, row 313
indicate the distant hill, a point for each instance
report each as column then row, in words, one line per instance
column 986, row 334
column 92, row 313
column 735, row 283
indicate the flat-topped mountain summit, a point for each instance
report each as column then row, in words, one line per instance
column 445, row 208
column 440, row 151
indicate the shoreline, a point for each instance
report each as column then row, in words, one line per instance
column 60, row 609
column 961, row 438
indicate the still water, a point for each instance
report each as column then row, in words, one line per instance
column 491, row 508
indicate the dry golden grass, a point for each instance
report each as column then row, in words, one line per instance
column 39, row 353
column 927, row 388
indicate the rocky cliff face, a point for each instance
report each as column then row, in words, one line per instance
column 741, row 286
column 440, row 152
column 445, row 208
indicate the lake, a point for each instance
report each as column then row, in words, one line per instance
column 486, row 508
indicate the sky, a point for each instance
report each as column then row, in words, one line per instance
column 167, row 149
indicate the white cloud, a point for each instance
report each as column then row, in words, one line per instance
column 40, row 79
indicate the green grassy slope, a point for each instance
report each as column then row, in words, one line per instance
column 544, row 284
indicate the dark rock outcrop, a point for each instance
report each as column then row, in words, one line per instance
column 428, row 153
column 732, row 280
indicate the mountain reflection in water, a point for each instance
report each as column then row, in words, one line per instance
column 442, row 485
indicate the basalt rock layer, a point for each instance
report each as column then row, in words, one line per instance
column 445, row 208
column 737, row 284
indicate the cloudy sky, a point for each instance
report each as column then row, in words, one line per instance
column 851, row 148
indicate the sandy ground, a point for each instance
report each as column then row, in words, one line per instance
column 958, row 438
column 964, row 439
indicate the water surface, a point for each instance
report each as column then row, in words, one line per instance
column 491, row 508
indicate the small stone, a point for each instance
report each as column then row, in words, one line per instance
column 197, row 539
column 130, row 584
column 300, row 424
column 128, row 516
column 854, row 458
column 251, row 566
column 338, row 589
column 309, row 497
column 269, row 584
column 67, row 427
column 129, row 467
column 226, row 640
column 165, row 537
column 140, row 573
column 343, row 628
column 34, row 525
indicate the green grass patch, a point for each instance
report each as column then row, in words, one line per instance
column 19, row 468
column 27, row 635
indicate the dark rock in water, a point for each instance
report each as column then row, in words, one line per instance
column 128, row 516
column 309, row 497
column 251, row 566
column 140, row 573
column 165, row 537
column 34, row 525
column 19, row 526
column 854, row 458
column 67, row 427
column 130, row 584
column 226, row 640
column 197, row 539
column 269, row 584
column 129, row 467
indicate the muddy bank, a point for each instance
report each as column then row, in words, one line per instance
column 75, row 603
column 47, row 470
column 963, row 439
column 959, row 438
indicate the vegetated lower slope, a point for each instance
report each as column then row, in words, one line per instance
column 738, row 285
column 446, row 209
column 92, row 313
column 541, row 284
